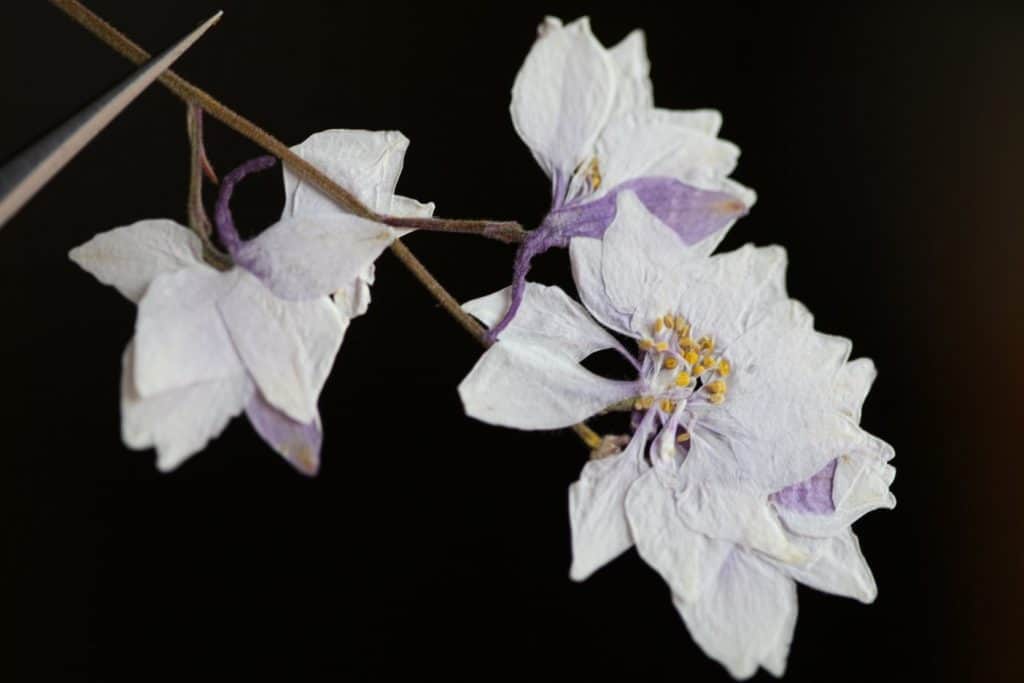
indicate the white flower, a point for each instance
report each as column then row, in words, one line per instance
column 262, row 337
column 747, row 465
column 587, row 113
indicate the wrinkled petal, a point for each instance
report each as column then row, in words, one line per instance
column 597, row 506
column 366, row 163
column 633, row 86
column 586, row 255
column 287, row 347
column 547, row 318
column 524, row 385
column 131, row 257
column 813, row 495
column 180, row 338
column 852, row 383
column 686, row 560
column 745, row 618
column 307, row 257
column 562, row 95
column 836, row 566
column 178, row 422
column 298, row 442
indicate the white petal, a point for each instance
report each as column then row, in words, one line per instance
column 853, row 382
column 836, row 566
column 586, row 255
column 287, row 347
column 179, row 422
column 516, row 384
column 311, row 256
column 366, row 163
column 547, row 317
column 131, row 257
column 180, row 338
column 655, row 142
column 633, row 87
column 298, row 443
column 597, row 507
column 562, row 96
column 708, row 121
column 686, row 560
column 746, row 618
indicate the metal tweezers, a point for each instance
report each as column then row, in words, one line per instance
column 26, row 173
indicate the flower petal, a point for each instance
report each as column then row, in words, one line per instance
column 745, row 618
column 307, row 257
column 180, row 338
column 597, row 505
column 633, row 86
column 836, row 566
column 366, row 163
column 547, row 318
column 586, row 255
column 686, row 560
column 131, row 257
column 524, row 385
column 299, row 443
column 287, row 347
column 178, row 422
column 562, row 95
column 852, row 383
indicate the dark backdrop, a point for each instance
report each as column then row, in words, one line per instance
column 884, row 143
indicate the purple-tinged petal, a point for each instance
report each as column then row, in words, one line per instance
column 812, row 496
column 299, row 443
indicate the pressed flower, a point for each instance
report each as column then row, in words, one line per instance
column 587, row 113
column 262, row 335
column 746, row 465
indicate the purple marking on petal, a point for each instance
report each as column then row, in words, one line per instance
column 299, row 443
column 226, row 229
column 812, row 496
column 692, row 213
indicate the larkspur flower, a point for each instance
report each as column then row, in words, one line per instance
column 261, row 336
column 587, row 113
column 746, row 466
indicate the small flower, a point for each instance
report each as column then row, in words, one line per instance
column 262, row 335
column 747, row 465
column 587, row 113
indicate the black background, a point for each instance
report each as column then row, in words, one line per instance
column 884, row 142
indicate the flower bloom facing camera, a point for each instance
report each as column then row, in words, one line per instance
column 587, row 113
column 260, row 336
column 746, row 465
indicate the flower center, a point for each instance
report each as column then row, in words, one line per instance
column 676, row 367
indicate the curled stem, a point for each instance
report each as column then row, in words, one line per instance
column 193, row 95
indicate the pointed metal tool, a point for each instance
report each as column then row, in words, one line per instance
column 25, row 174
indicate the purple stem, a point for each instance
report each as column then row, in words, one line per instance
column 226, row 229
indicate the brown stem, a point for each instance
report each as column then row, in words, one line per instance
column 304, row 170
column 508, row 232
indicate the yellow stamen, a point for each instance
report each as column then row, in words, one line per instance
column 638, row 404
column 698, row 370
column 668, row 405
column 708, row 362
column 682, row 379
column 671, row 362
column 724, row 368
column 670, row 322
column 706, row 344
column 661, row 346
column 682, row 324
column 717, row 387
column 646, row 345
column 683, row 438
column 646, row 402
column 717, row 398
column 690, row 357
column 594, row 174
column 659, row 325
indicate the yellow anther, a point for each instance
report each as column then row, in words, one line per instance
column 594, row 174
column 706, row 344
column 683, row 328
column 646, row 402
column 724, row 368
column 682, row 379
column 717, row 398
column 661, row 346
column 683, row 438
column 670, row 322
column 708, row 362
column 690, row 357
column 717, row 387
column 698, row 369
column 671, row 362
column 681, row 323
column 638, row 404
column 659, row 325
column 646, row 344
